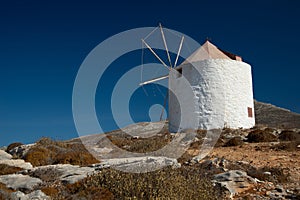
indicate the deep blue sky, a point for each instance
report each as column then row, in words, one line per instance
column 43, row 43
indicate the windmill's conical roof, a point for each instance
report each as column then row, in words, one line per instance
column 206, row 51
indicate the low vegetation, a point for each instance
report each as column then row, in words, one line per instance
column 6, row 169
column 141, row 145
column 167, row 183
column 47, row 152
column 261, row 135
column 236, row 141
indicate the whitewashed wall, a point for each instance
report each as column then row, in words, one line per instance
column 219, row 94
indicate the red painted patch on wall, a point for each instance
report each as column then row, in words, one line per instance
column 250, row 112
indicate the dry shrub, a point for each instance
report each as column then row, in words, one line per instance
column 50, row 191
column 236, row 141
column 287, row 146
column 6, row 169
column 258, row 135
column 167, row 183
column 13, row 145
column 141, row 145
column 287, row 135
column 79, row 190
column 39, row 156
column 47, row 152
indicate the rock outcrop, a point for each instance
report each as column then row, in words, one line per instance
column 4, row 155
column 35, row 195
column 64, row 172
column 19, row 181
column 235, row 181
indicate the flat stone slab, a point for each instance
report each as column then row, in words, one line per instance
column 64, row 172
column 19, row 181
column 138, row 164
column 17, row 163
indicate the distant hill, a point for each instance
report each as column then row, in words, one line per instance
column 268, row 114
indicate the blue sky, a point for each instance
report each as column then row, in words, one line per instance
column 43, row 43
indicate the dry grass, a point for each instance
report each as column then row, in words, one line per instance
column 141, row 145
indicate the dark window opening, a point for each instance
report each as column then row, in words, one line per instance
column 179, row 70
column 179, row 74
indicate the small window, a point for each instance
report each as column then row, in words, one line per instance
column 250, row 112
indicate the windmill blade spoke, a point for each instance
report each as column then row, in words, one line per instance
column 179, row 50
column 153, row 52
column 165, row 44
column 154, row 80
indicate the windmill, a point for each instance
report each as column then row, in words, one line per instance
column 214, row 88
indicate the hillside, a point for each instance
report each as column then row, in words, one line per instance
column 258, row 163
column 272, row 116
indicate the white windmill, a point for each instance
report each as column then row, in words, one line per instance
column 219, row 92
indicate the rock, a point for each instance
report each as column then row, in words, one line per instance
column 138, row 164
column 235, row 181
column 242, row 162
column 267, row 173
column 279, row 188
column 215, row 163
column 21, row 151
column 17, row 163
column 35, row 195
column 64, row 172
column 19, row 181
column 4, row 155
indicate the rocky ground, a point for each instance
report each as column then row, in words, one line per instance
column 258, row 163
